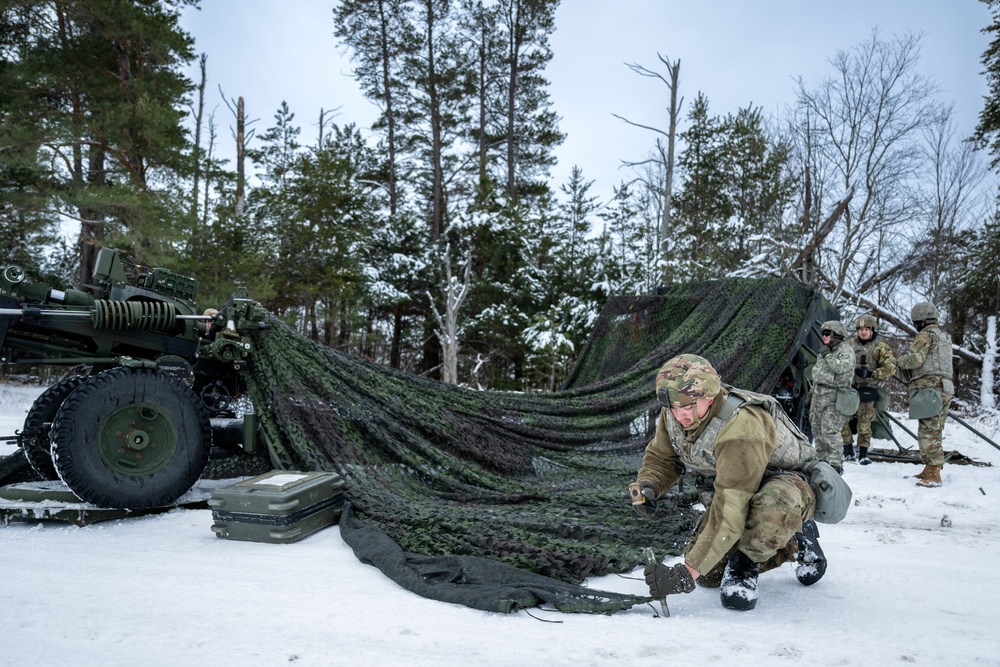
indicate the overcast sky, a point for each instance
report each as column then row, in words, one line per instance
column 737, row 52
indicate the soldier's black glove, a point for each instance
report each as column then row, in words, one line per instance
column 663, row 580
column 863, row 372
column 644, row 503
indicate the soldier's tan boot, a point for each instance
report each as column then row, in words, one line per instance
column 932, row 477
column 923, row 473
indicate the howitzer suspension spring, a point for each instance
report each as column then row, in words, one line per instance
column 135, row 316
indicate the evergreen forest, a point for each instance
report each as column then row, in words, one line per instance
column 435, row 241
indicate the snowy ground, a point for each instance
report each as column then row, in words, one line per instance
column 913, row 579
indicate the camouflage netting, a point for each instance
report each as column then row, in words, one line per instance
column 748, row 328
column 502, row 500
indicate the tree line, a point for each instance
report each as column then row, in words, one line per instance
column 436, row 241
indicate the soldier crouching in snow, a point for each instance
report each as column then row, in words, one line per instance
column 761, row 512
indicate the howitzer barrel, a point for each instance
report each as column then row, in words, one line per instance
column 115, row 315
column 79, row 313
column 34, row 311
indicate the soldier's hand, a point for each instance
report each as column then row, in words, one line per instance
column 643, row 498
column 663, row 580
column 863, row 372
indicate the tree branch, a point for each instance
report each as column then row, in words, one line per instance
column 645, row 127
column 823, row 231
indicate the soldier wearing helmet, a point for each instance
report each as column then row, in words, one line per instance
column 875, row 363
column 927, row 367
column 832, row 373
column 760, row 512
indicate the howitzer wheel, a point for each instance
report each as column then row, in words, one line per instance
column 131, row 439
column 34, row 438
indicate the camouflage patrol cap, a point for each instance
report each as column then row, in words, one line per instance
column 865, row 322
column 836, row 326
column 686, row 378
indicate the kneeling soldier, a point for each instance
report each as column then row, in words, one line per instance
column 760, row 515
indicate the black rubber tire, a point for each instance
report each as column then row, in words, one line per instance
column 34, row 438
column 85, row 444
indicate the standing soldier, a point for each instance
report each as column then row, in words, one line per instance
column 761, row 511
column 833, row 371
column 875, row 363
column 928, row 373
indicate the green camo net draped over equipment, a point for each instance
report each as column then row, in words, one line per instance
column 502, row 500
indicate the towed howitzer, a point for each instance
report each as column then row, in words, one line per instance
column 162, row 390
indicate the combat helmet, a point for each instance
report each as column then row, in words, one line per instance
column 836, row 326
column 686, row 378
column 866, row 322
column 923, row 313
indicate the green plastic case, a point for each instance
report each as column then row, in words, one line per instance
column 277, row 507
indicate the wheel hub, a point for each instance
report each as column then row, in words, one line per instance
column 137, row 439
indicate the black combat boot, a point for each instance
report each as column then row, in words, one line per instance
column 812, row 561
column 863, row 456
column 848, row 453
column 739, row 583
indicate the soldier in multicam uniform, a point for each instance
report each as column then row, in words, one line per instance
column 875, row 363
column 760, row 514
column 927, row 364
column 834, row 369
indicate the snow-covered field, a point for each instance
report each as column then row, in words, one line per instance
column 913, row 579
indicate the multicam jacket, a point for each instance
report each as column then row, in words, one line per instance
column 876, row 356
column 738, row 451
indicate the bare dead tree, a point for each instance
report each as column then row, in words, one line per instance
column 324, row 115
column 196, row 152
column 242, row 137
column 454, row 292
column 953, row 205
column 664, row 155
column 867, row 119
column 241, row 156
column 210, row 175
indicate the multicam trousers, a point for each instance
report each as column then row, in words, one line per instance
column 827, row 425
column 930, row 433
column 865, row 415
column 776, row 513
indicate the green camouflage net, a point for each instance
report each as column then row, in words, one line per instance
column 536, row 482
column 748, row 328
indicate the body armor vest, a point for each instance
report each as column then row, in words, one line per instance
column 865, row 351
column 938, row 361
column 791, row 450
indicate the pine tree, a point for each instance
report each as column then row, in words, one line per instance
column 756, row 183
column 97, row 85
column 629, row 257
column 24, row 176
column 478, row 21
column 530, row 130
column 987, row 133
column 574, row 260
column 701, row 208
column 381, row 36
column 319, row 215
